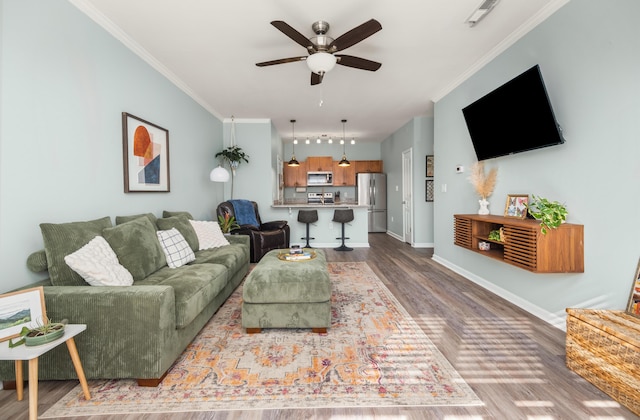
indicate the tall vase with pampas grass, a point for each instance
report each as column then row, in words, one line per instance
column 483, row 184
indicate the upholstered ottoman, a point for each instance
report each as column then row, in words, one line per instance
column 287, row 294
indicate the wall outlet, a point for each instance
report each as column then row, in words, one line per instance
column 345, row 194
column 392, row 218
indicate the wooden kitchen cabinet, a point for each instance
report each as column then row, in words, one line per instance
column 295, row 176
column 344, row 176
column 561, row 250
column 374, row 166
column 319, row 163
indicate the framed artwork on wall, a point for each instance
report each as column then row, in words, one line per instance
column 429, row 190
column 516, row 206
column 24, row 308
column 430, row 169
column 633, row 307
column 145, row 149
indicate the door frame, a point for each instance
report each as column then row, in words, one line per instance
column 407, row 196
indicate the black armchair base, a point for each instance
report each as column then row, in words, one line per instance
column 263, row 238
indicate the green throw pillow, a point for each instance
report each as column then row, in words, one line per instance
column 124, row 219
column 137, row 247
column 166, row 213
column 184, row 226
column 62, row 239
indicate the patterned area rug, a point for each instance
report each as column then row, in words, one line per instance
column 374, row 355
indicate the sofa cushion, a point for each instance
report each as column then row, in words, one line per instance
column 98, row 264
column 37, row 261
column 61, row 239
column 231, row 256
column 167, row 213
column 124, row 219
column 137, row 247
column 209, row 234
column 194, row 287
column 176, row 249
column 183, row 225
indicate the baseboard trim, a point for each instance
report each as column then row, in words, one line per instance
column 556, row 320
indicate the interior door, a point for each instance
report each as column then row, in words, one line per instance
column 407, row 196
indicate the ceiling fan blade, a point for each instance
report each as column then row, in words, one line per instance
column 281, row 61
column 357, row 62
column 316, row 79
column 355, row 35
column 289, row 31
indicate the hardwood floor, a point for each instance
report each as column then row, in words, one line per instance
column 512, row 360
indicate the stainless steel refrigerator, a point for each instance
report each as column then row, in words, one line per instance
column 372, row 191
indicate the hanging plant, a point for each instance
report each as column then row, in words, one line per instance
column 234, row 156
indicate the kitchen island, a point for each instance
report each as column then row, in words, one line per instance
column 325, row 232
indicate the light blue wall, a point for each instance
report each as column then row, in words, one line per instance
column 65, row 83
column 589, row 54
column 417, row 135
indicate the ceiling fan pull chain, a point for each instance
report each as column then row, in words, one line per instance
column 321, row 97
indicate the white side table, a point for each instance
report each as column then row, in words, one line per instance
column 31, row 353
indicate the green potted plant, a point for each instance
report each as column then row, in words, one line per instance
column 227, row 223
column 551, row 214
column 233, row 155
column 42, row 333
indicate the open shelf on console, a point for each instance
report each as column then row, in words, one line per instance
column 561, row 250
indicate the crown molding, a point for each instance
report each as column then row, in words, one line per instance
column 540, row 17
column 88, row 9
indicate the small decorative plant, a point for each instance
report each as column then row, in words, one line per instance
column 227, row 223
column 494, row 235
column 44, row 332
column 551, row 214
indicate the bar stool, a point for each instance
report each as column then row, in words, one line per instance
column 343, row 216
column 307, row 216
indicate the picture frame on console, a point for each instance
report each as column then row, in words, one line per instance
column 145, row 148
column 24, row 308
column 633, row 307
column 516, row 206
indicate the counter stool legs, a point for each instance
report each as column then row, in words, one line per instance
column 307, row 217
column 343, row 216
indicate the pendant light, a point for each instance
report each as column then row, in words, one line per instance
column 293, row 161
column 343, row 161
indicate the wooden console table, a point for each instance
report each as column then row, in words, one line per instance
column 561, row 250
column 32, row 353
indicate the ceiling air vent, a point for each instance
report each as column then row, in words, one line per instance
column 485, row 7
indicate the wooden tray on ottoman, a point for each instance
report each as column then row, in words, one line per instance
column 603, row 347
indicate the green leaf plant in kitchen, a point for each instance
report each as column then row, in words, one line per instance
column 551, row 214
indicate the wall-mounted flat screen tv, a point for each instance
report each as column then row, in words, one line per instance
column 513, row 118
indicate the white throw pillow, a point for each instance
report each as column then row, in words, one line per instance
column 209, row 234
column 175, row 247
column 98, row 264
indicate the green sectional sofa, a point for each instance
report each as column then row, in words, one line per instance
column 138, row 330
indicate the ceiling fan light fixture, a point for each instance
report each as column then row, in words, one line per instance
column 321, row 62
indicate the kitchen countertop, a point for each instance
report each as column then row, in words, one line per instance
column 304, row 204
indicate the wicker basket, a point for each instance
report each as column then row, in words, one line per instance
column 604, row 348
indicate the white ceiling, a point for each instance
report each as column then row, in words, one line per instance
column 209, row 49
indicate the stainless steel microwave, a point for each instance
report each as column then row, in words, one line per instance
column 319, row 178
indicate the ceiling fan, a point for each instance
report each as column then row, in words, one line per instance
column 322, row 48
